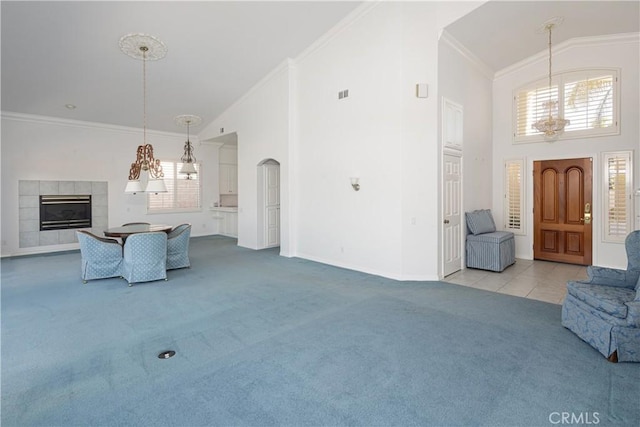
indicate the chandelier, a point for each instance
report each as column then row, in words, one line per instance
column 550, row 126
column 188, row 159
column 146, row 48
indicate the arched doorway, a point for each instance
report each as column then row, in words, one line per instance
column 268, row 204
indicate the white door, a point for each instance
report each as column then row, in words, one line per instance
column 272, row 205
column 452, row 215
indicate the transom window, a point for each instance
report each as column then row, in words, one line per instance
column 183, row 195
column 588, row 99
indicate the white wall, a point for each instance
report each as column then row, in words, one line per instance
column 261, row 121
column 381, row 133
column 464, row 82
column 614, row 51
column 38, row 148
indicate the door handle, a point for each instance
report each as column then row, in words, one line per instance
column 587, row 213
column 446, row 221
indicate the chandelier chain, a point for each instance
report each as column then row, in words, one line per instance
column 550, row 27
column 144, row 93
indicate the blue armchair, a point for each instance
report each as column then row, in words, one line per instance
column 178, row 247
column 604, row 309
column 145, row 257
column 100, row 258
column 486, row 248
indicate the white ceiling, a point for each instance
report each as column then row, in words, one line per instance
column 502, row 33
column 57, row 53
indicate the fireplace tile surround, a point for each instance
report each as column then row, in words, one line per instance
column 29, row 210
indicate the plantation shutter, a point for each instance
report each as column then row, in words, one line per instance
column 182, row 194
column 514, row 193
column 618, row 195
column 589, row 102
column 588, row 99
column 532, row 105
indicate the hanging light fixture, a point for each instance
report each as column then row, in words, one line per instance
column 146, row 48
column 551, row 126
column 188, row 159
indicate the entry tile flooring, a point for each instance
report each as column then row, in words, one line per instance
column 540, row 280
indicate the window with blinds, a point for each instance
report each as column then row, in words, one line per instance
column 617, row 195
column 588, row 99
column 514, row 195
column 183, row 195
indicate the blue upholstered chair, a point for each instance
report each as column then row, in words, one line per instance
column 486, row 248
column 178, row 247
column 145, row 257
column 101, row 258
column 604, row 309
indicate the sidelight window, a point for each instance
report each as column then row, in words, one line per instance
column 617, row 195
column 513, row 195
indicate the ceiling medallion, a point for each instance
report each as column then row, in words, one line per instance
column 143, row 47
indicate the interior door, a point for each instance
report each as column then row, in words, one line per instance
column 451, row 215
column 272, row 205
column 562, row 210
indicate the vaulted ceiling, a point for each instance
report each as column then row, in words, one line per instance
column 58, row 53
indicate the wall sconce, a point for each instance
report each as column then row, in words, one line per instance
column 354, row 183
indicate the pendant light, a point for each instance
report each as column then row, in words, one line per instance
column 145, row 48
column 188, row 159
column 549, row 125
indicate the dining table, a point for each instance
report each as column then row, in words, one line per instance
column 125, row 231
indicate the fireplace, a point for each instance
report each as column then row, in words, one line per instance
column 64, row 212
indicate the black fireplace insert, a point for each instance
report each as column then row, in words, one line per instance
column 64, row 212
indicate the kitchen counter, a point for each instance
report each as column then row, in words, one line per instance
column 224, row 209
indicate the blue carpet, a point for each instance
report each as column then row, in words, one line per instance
column 264, row 340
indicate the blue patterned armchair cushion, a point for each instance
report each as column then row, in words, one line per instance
column 100, row 258
column 480, row 221
column 178, row 247
column 145, row 257
column 604, row 309
column 607, row 299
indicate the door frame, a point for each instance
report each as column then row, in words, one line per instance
column 261, row 241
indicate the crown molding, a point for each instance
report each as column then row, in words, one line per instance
column 56, row 121
column 480, row 65
column 344, row 23
column 612, row 39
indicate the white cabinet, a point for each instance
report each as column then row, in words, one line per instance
column 227, row 221
column 228, row 179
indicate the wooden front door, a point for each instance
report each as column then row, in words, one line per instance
column 562, row 210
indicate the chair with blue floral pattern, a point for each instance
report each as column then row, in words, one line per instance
column 178, row 247
column 145, row 257
column 604, row 309
column 100, row 258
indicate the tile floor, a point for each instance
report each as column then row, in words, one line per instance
column 540, row 280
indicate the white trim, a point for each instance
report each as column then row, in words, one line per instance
column 354, row 16
column 474, row 60
column 55, row 121
column 567, row 45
